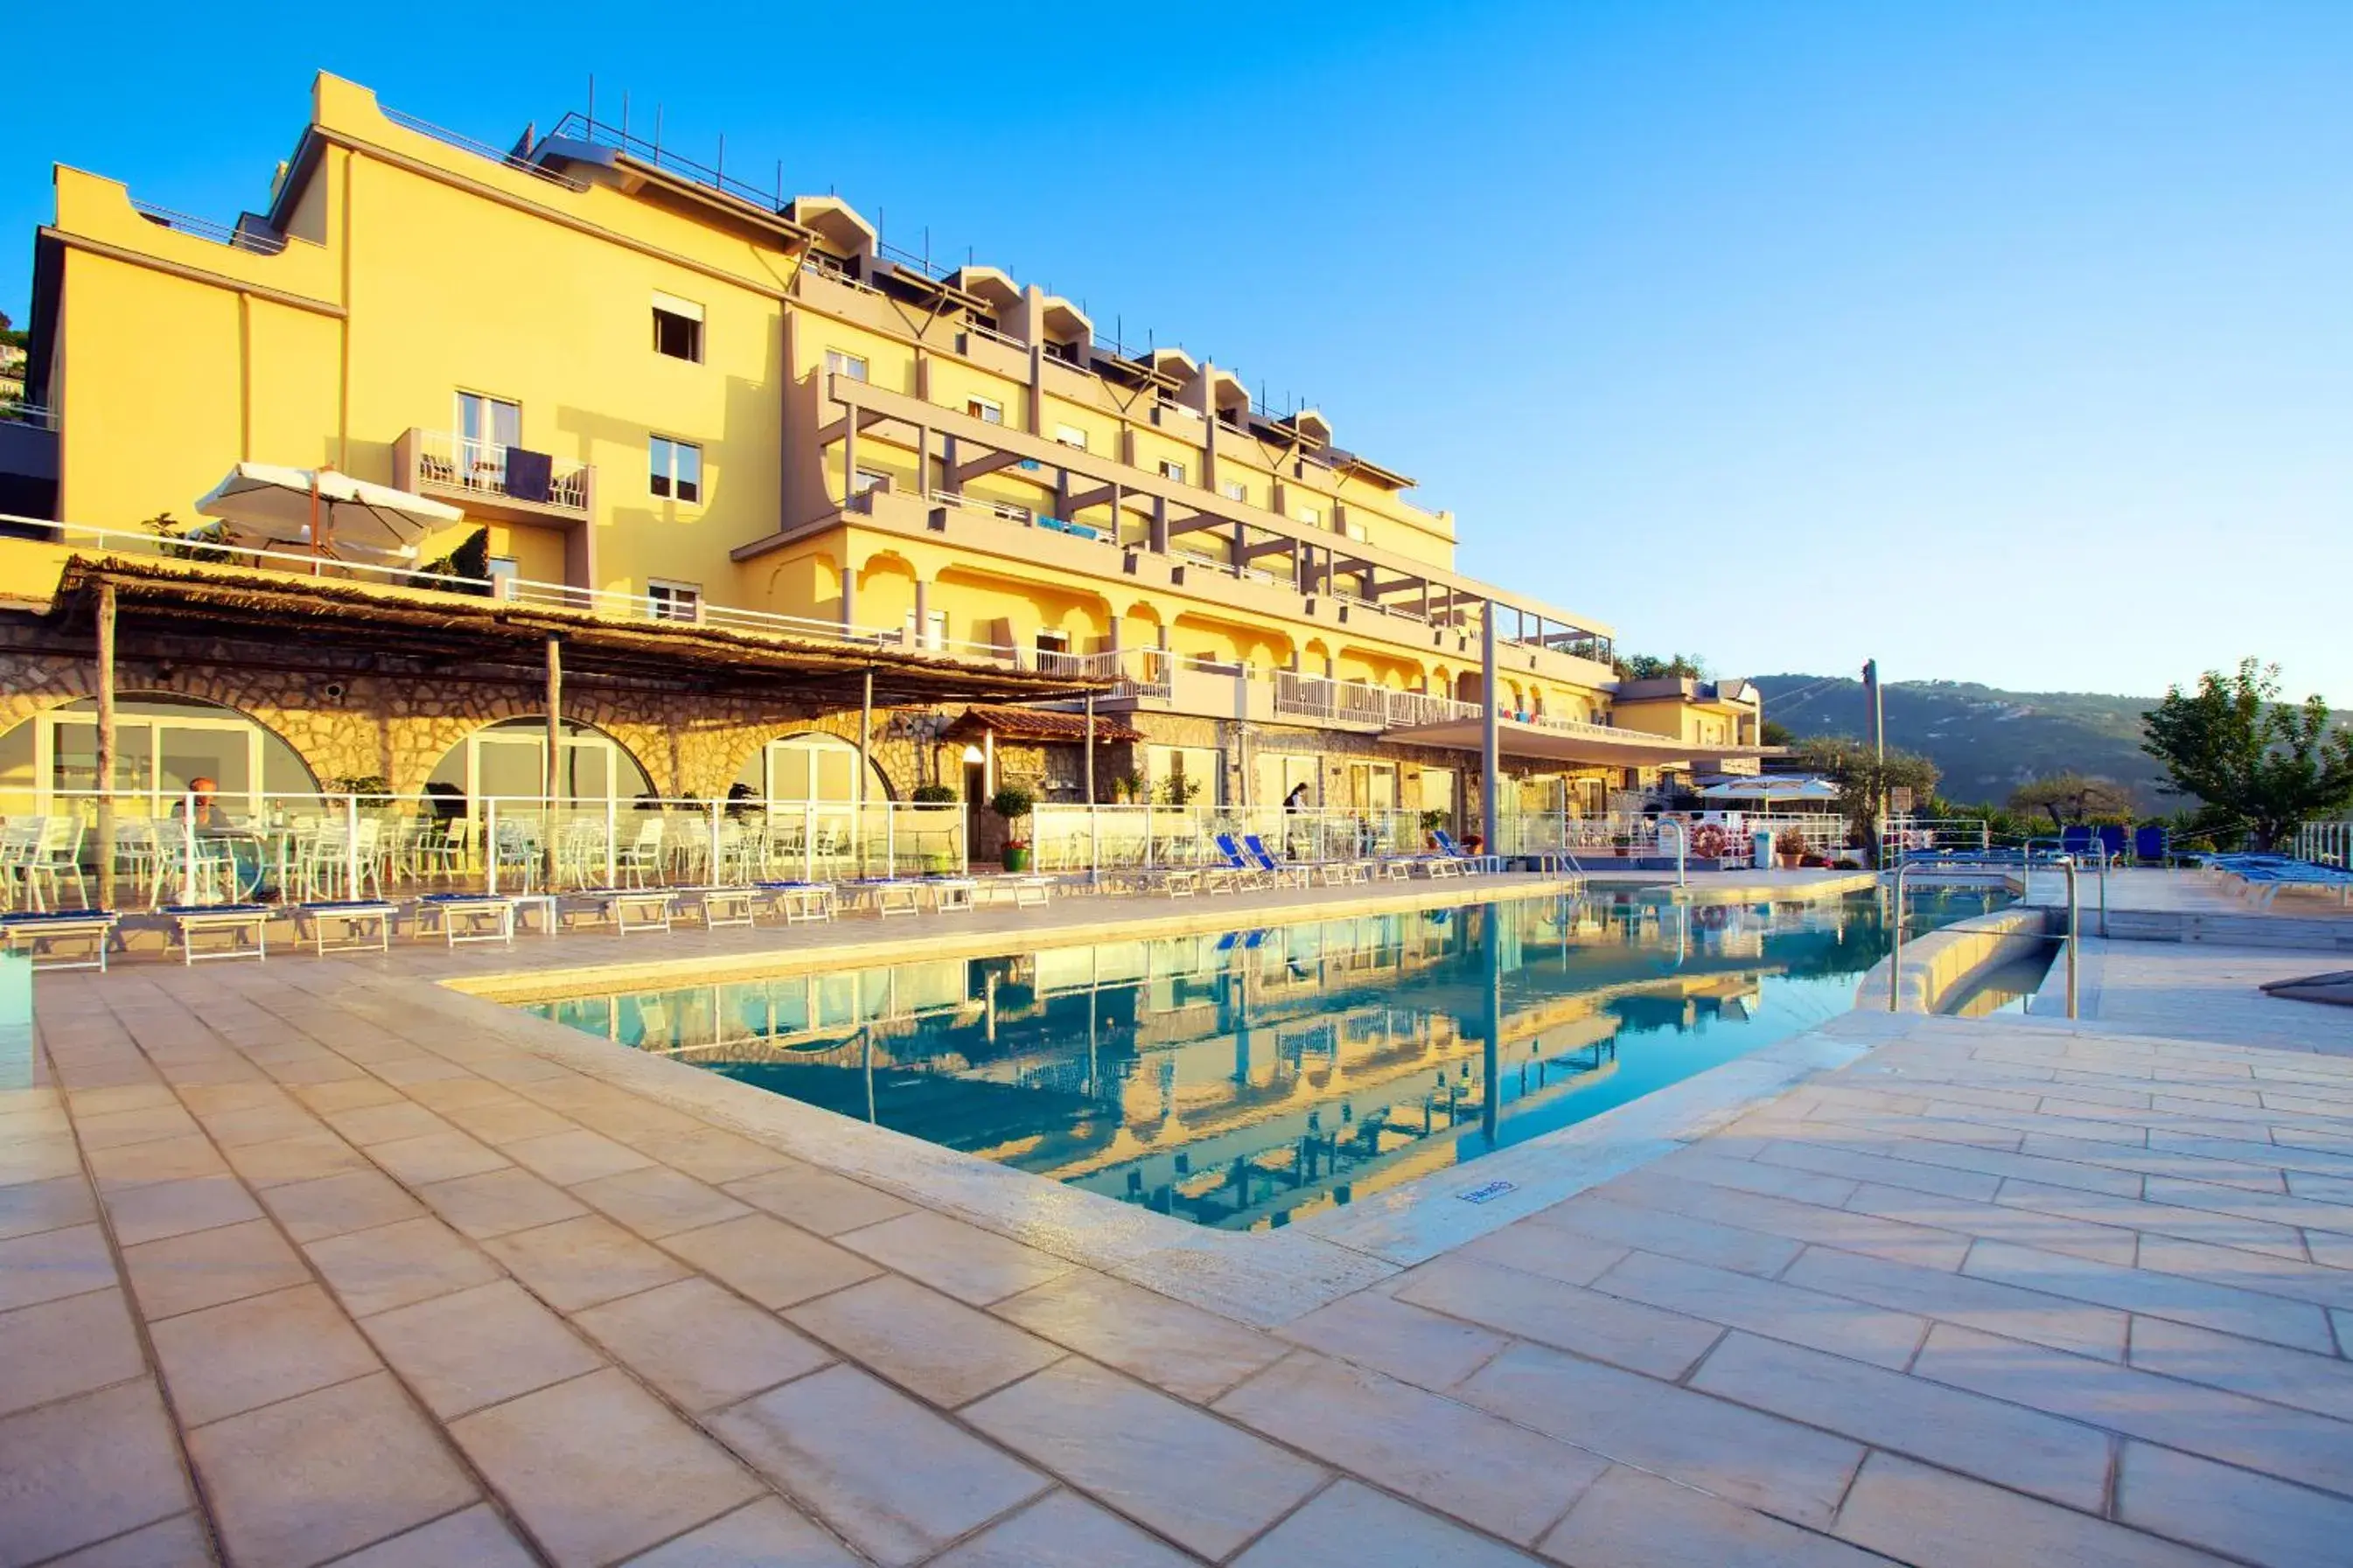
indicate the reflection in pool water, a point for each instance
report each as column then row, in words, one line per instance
column 1247, row 1078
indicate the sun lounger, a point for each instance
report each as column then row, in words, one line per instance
column 629, row 909
column 716, row 907
column 243, row 928
column 1276, row 871
column 467, row 916
column 1239, row 870
column 346, row 925
column 794, row 902
column 1021, row 892
column 1464, row 861
column 2151, row 846
column 61, row 939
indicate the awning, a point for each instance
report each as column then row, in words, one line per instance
column 1052, row 725
column 265, row 502
column 1771, row 786
column 1593, row 745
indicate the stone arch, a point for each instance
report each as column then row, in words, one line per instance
column 283, row 769
column 823, row 748
column 629, row 777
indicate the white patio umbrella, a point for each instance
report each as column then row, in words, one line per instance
column 318, row 507
column 1772, row 787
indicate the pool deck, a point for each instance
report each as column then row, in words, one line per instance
column 308, row 1262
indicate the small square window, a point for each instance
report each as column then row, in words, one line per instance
column 1235, row 490
column 677, row 468
column 1170, row 469
column 677, row 336
column 1071, row 435
column 870, row 480
column 1310, row 516
column 984, row 410
column 674, row 600
column 850, row 367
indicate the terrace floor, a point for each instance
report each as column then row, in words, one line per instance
column 309, row 1261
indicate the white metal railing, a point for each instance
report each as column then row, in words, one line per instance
column 254, row 846
column 1361, row 702
column 2326, row 844
column 205, row 228
column 34, row 414
column 1902, row 835
column 833, row 273
column 992, row 335
column 449, row 461
column 1005, row 511
column 1149, row 836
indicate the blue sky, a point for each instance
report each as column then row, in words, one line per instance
column 2006, row 342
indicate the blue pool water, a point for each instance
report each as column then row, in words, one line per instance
column 1244, row 1079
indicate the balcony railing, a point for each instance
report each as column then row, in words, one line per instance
column 459, row 464
column 1361, row 702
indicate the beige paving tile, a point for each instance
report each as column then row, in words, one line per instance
column 579, row 1155
column 1674, row 1235
column 1744, row 1456
column 1406, row 1342
column 1782, row 1311
column 305, row 1157
column 507, row 1119
column 2026, row 1227
column 393, row 1265
column 175, row 1542
column 65, row 1347
column 1200, row 1482
column 473, row 1348
column 769, row 1532
column 1192, row 1353
column 1995, row 1442
column 1444, row 1455
column 656, row 1201
column 41, row 1159
column 2328, row 1283
column 1350, row 1526
column 577, row 1263
column 1864, row 1169
column 497, row 1201
column 1063, row 1530
column 334, row 1205
column 818, row 1200
column 385, row 1121
column 1793, row 1221
column 2163, row 1219
column 770, row 1261
column 308, row 1479
column 1916, row 1514
column 702, row 1346
column 2322, row 1384
column 29, row 1208
column 344, row 1094
column 258, row 1123
column 49, row 1264
column 164, row 1160
column 1553, row 1251
column 968, row 1263
column 895, row 1479
column 175, row 1209
column 435, row 1157
column 934, row 1347
column 243, row 1355
column 140, row 1124
column 597, row 1469
column 2217, row 1307
column 476, row 1537
column 206, row 1268
column 707, row 1153
column 1704, row 1163
column 2083, row 1328
column 2250, row 1517
column 1630, row 1519
column 2198, row 1420
column 84, row 1469
column 1662, row 1343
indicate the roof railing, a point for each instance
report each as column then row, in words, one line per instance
column 260, row 244
column 518, row 161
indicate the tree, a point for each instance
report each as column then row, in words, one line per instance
column 2234, row 745
column 1651, row 667
column 1776, row 733
column 2073, row 798
column 1863, row 777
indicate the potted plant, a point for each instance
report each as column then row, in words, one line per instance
column 1127, row 788
column 934, row 794
column 1790, row 848
column 1014, row 804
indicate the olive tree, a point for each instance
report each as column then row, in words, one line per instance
column 2234, row 745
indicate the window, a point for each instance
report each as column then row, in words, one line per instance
column 933, row 635
column 485, row 422
column 1312, row 516
column 674, row 600
column 1170, row 469
column 1234, row 489
column 984, row 410
column 850, row 367
column 677, row 468
column 1053, row 642
column 1185, row 775
column 506, row 570
column 677, row 327
column 1071, row 435
column 867, row 480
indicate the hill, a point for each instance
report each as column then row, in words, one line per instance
column 1985, row 742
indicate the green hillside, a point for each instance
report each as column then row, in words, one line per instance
column 1985, row 742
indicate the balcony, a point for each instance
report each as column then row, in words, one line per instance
column 477, row 476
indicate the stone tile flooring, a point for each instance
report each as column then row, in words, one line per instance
column 300, row 1265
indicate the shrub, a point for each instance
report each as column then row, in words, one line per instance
column 1012, row 802
column 934, row 794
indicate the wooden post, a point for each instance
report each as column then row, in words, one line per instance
column 554, row 770
column 106, row 607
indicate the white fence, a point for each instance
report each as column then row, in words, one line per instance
column 1077, row 837
column 2326, row 844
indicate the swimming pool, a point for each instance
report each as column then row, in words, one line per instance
column 1244, row 1079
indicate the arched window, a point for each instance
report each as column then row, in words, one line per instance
column 160, row 742
column 508, row 760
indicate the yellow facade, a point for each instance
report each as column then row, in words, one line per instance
column 843, row 408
